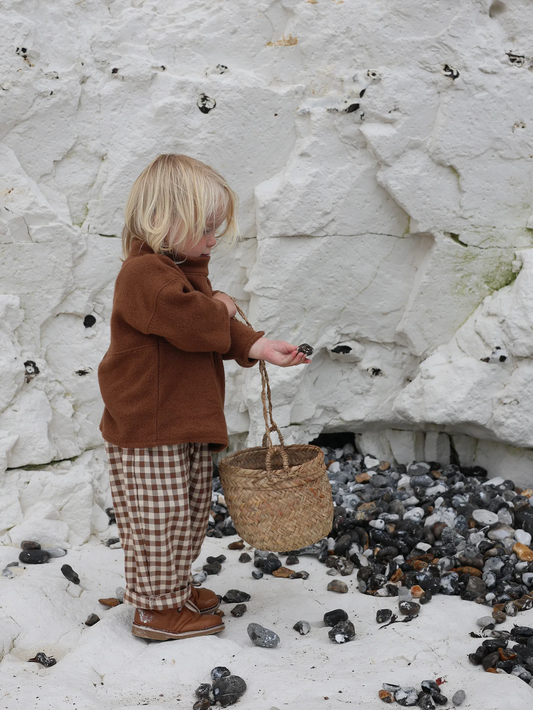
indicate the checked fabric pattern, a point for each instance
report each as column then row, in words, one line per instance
column 161, row 496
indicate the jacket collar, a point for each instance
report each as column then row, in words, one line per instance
column 193, row 265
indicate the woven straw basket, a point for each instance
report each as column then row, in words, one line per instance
column 279, row 497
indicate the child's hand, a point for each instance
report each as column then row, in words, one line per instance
column 277, row 352
column 227, row 301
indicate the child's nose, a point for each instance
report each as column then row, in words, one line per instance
column 211, row 241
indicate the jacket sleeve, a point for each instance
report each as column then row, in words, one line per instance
column 242, row 339
column 188, row 319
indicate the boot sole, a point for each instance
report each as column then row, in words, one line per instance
column 145, row 632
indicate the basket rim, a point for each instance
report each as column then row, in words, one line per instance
column 228, row 461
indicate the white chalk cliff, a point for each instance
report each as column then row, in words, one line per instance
column 383, row 155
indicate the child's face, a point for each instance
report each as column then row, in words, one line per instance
column 201, row 248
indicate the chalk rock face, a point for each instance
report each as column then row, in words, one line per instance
column 382, row 156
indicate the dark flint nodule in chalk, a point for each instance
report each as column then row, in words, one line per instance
column 34, row 557
column 43, row 659
column 89, row 321
column 331, row 618
column 206, row 103
column 31, row 370
column 228, row 690
column 203, row 690
column 112, row 541
column 110, row 512
column 235, row 596
column 69, row 573
column 220, row 672
column 239, row 610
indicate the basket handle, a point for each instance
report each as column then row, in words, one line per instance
column 270, row 424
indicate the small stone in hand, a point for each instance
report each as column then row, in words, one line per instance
column 306, row 349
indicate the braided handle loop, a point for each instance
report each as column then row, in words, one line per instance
column 270, row 424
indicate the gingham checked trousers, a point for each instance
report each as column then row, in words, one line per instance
column 161, row 497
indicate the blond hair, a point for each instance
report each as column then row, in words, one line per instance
column 177, row 198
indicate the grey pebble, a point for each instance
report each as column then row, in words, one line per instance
column 56, row 551
column 263, row 637
column 459, row 697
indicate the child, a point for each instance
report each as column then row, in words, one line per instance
column 162, row 382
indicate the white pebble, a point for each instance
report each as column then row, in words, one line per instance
column 423, row 546
column 377, row 524
column 496, row 481
column 415, row 514
column 523, row 537
column 485, row 517
column 371, row 462
column 335, row 467
column 485, row 621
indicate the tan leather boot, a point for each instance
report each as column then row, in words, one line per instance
column 174, row 624
column 204, row 599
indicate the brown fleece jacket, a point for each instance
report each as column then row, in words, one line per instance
column 162, row 379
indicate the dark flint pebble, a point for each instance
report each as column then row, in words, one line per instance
column 235, row 596
column 521, row 631
column 92, row 619
column 292, row 560
column 228, row 690
column 426, row 597
column 476, row 658
column 490, row 660
column 439, row 698
column 239, row 610
column 425, row 702
column 202, row 704
column 220, row 672
column 245, row 557
column 111, row 515
column 43, row 659
column 268, row 564
column 342, row 632
column 30, row 545
column 302, row 627
column 331, row 618
column 69, row 573
column 409, row 608
column 257, row 574
column 220, row 559
column 212, row 567
column 202, row 691
column 34, row 557
column 383, row 615
column 430, row 686
column 493, row 644
column 112, row 541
